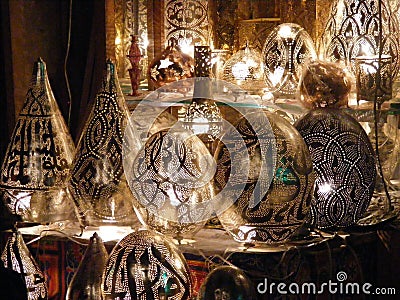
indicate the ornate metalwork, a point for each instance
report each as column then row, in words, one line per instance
column 170, row 177
column 130, row 19
column 97, row 182
column 284, row 52
column 17, row 257
column 186, row 23
column 172, row 65
column 245, row 69
column 40, row 153
column 302, row 13
column 286, row 204
column 202, row 60
column 146, row 265
column 255, row 32
column 374, row 78
column 225, row 24
column 86, row 283
column 353, row 30
column 344, row 162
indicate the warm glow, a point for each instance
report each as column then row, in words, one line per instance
column 366, row 50
column 186, row 46
column 111, row 232
column 117, row 40
column 286, row 32
column 145, row 40
column 325, row 188
column 240, row 70
column 276, row 78
column 165, row 63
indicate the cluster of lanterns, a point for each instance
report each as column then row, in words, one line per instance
column 323, row 166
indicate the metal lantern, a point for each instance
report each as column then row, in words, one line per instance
column 285, row 51
column 97, row 182
column 245, row 69
column 274, row 215
column 374, row 78
column 187, row 24
column 227, row 282
column 353, row 29
column 171, row 178
column 172, row 65
column 39, row 157
column 146, row 265
column 344, row 163
column 86, row 283
column 17, row 257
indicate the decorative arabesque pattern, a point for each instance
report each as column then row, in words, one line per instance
column 245, row 69
column 171, row 180
column 255, row 32
column 147, row 266
column 186, row 21
column 353, row 30
column 286, row 204
column 97, row 182
column 17, row 257
column 286, row 49
column 225, row 24
column 344, row 162
column 41, row 149
column 202, row 61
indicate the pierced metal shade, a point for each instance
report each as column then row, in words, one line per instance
column 374, row 78
column 146, row 265
column 17, row 257
column 352, row 30
column 245, row 69
column 187, row 24
column 268, row 210
column 285, row 51
column 39, row 157
column 97, row 183
column 86, row 283
column 171, row 179
column 344, row 163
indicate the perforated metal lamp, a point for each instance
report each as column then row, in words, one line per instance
column 285, row 51
column 353, row 29
column 17, row 257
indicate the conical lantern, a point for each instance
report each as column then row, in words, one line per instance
column 97, row 183
column 38, row 158
column 17, row 257
column 86, row 283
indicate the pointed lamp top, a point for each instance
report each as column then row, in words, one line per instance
column 39, row 71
